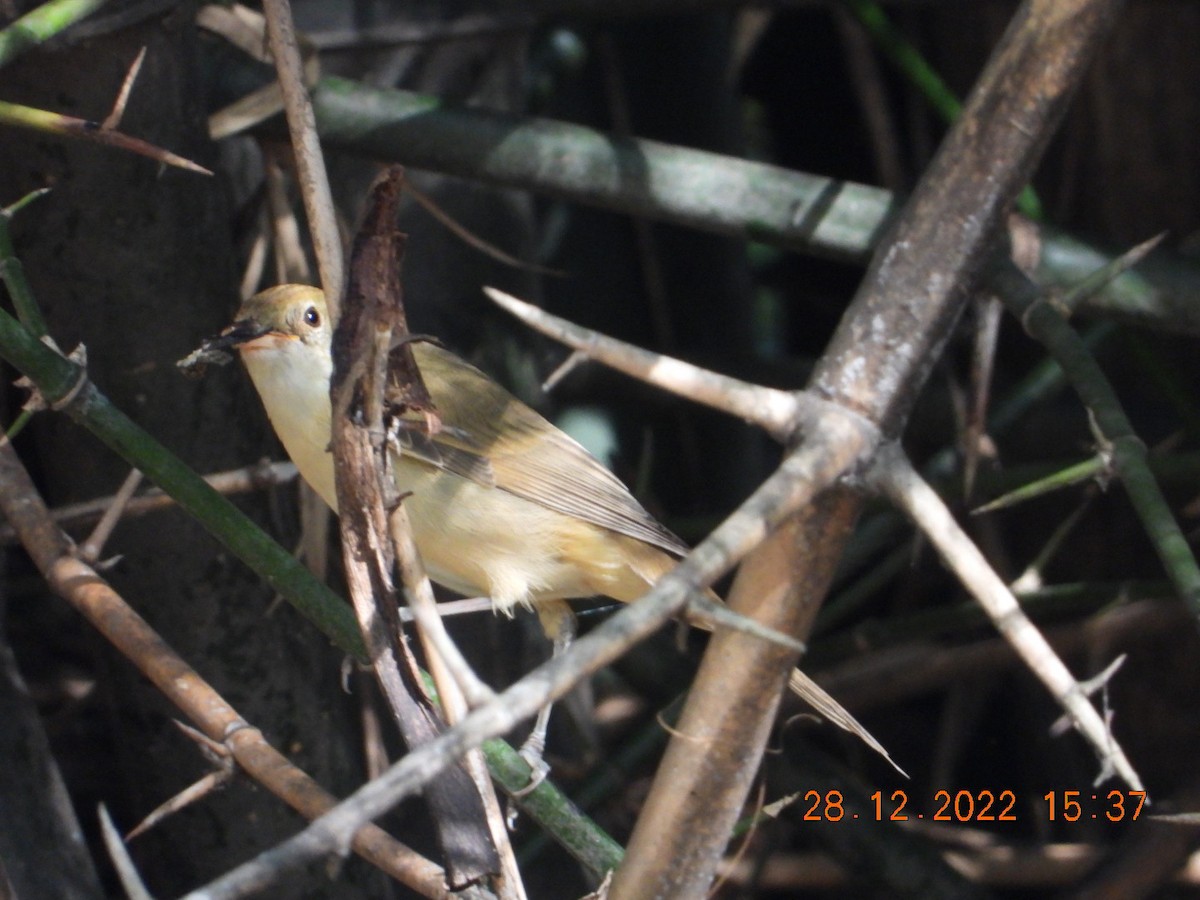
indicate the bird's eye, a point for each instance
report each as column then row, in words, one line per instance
column 312, row 317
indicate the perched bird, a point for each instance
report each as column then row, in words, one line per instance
column 502, row 503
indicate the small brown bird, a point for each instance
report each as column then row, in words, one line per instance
column 502, row 503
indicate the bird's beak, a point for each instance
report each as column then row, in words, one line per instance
column 240, row 332
column 246, row 335
column 217, row 350
column 241, row 335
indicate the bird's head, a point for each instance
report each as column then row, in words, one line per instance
column 283, row 336
column 290, row 318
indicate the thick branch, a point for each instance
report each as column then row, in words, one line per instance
column 876, row 365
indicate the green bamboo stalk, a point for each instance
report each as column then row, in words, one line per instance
column 694, row 188
column 39, row 25
column 1046, row 324
column 708, row 191
column 12, row 273
column 558, row 816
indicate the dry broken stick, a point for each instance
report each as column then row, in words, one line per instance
column 366, row 368
column 310, row 162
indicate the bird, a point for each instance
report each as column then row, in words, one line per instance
column 502, row 503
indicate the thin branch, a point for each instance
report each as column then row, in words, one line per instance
column 234, row 481
column 310, row 162
column 291, row 262
column 870, row 90
column 773, row 410
column 93, row 546
column 895, row 476
column 472, row 240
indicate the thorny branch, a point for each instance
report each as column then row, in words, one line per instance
column 94, row 598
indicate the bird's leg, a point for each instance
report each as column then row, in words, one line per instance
column 558, row 622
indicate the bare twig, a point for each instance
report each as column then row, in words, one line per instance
column 472, row 240
column 310, row 164
column 291, row 264
column 771, row 409
column 131, row 879
column 871, row 92
column 234, row 481
column 93, row 546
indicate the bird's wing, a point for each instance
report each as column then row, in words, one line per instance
column 535, row 461
column 415, row 441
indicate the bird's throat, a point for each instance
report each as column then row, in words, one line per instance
column 293, row 381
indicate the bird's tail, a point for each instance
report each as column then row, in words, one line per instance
column 647, row 564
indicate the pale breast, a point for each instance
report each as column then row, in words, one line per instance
column 475, row 540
